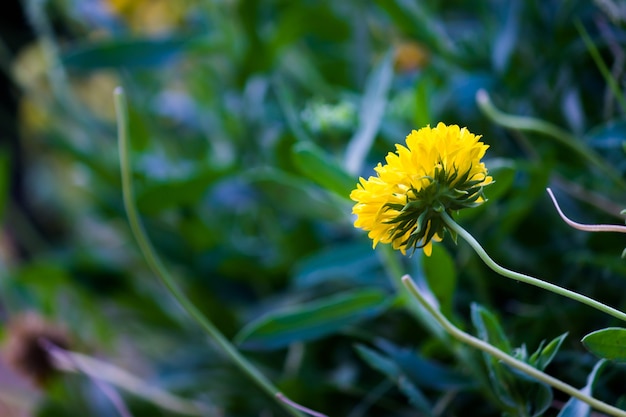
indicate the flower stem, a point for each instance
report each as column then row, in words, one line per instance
column 540, row 126
column 585, row 227
column 504, row 357
column 163, row 274
column 454, row 226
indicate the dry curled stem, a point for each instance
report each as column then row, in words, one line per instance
column 586, row 227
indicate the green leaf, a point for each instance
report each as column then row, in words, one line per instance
column 128, row 53
column 424, row 372
column 313, row 320
column 441, row 276
column 391, row 369
column 489, row 328
column 609, row 343
column 313, row 162
column 293, row 194
column 544, row 355
column 577, row 408
column 378, row 361
column 416, row 398
column 354, row 263
column 529, row 392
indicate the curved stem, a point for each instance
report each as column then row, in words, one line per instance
column 454, row 226
column 506, row 358
column 163, row 274
column 540, row 126
column 585, row 227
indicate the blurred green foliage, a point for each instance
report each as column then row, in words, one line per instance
column 250, row 123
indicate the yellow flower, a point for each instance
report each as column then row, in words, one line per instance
column 438, row 171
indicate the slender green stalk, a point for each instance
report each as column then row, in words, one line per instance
column 604, row 70
column 540, row 126
column 162, row 273
column 506, row 358
column 395, row 271
column 454, row 226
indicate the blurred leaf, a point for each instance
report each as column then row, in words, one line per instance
column 416, row 398
column 313, row 320
column 609, row 343
column 417, row 20
column 370, row 115
column 489, row 329
column 313, row 162
column 423, row 102
column 609, row 139
column 286, row 103
column 296, row 195
column 577, row 408
column 44, row 275
column 572, row 108
column 126, row 53
column 43, row 281
column 169, row 193
column 533, row 395
column 396, row 374
column 346, row 262
column 378, row 361
column 533, row 180
column 424, row 372
column 540, row 398
column 503, row 172
column 507, row 38
column 441, row 276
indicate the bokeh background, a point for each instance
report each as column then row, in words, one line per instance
column 240, row 114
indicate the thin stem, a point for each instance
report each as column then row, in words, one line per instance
column 163, row 274
column 604, row 70
column 105, row 372
column 526, row 278
column 586, row 227
column 540, row 126
column 506, row 358
column 64, row 356
column 308, row 411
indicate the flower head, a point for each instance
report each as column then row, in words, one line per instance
column 438, row 171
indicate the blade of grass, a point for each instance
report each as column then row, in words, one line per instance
column 604, row 70
column 371, row 114
column 163, row 274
